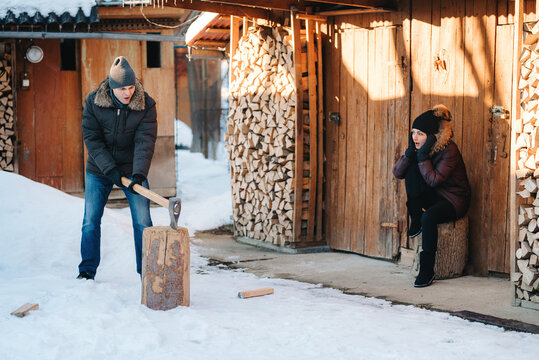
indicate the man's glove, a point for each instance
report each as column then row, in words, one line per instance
column 137, row 179
column 410, row 153
column 424, row 151
column 116, row 176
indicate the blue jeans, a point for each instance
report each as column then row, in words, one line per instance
column 96, row 193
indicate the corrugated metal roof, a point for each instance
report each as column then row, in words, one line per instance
column 39, row 19
column 210, row 30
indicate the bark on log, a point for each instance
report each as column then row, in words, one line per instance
column 452, row 252
column 165, row 268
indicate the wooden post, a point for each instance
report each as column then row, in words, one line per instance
column 298, row 173
column 515, row 114
column 313, row 131
column 320, row 175
column 165, row 268
column 235, row 23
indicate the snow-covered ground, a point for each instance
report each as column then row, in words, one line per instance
column 103, row 319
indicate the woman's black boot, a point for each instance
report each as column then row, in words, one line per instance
column 426, row 269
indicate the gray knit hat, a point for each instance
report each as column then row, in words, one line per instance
column 121, row 73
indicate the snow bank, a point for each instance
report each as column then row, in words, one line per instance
column 103, row 319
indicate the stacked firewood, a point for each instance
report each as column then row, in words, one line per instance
column 526, row 274
column 7, row 118
column 260, row 135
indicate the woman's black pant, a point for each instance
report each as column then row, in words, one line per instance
column 438, row 210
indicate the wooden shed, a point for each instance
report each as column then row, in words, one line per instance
column 323, row 94
column 77, row 50
column 363, row 70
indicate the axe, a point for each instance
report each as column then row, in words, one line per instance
column 174, row 204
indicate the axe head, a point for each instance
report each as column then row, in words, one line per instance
column 174, row 209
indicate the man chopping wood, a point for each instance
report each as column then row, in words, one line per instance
column 119, row 127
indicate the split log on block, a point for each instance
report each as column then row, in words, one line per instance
column 252, row 293
column 25, row 309
column 452, row 254
column 165, row 268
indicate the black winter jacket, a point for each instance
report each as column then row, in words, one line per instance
column 123, row 138
column 444, row 171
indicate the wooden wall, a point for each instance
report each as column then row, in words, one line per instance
column 48, row 120
column 380, row 74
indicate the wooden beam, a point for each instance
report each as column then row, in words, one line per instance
column 313, row 131
column 359, row 3
column 515, row 114
column 219, row 31
column 235, row 23
column 125, row 12
column 352, row 12
column 210, row 44
column 312, row 17
column 204, row 53
column 265, row 4
column 224, row 9
column 320, row 175
column 298, row 176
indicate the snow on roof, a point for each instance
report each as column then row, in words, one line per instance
column 199, row 24
column 31, row 7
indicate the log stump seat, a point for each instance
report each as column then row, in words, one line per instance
column 452, row 252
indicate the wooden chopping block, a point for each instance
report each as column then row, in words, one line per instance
column 165, row 267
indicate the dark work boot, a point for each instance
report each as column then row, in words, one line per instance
column 426, row 269
column 85, row 275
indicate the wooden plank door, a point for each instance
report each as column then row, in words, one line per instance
column 497, row 167
column 367, row 90
column 473, row 47
column 48, row 119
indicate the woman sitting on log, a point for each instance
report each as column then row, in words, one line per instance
column 437, row 187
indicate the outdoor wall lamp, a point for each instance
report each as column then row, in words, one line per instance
column 34, row 54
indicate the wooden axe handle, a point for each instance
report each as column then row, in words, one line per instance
column 148, row 194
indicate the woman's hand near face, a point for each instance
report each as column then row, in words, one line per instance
column 424, row 151
column 410, row 151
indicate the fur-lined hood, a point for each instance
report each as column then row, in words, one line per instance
column 103, row 99
column 445, row 131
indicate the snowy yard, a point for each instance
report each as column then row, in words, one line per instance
column 103, row 319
